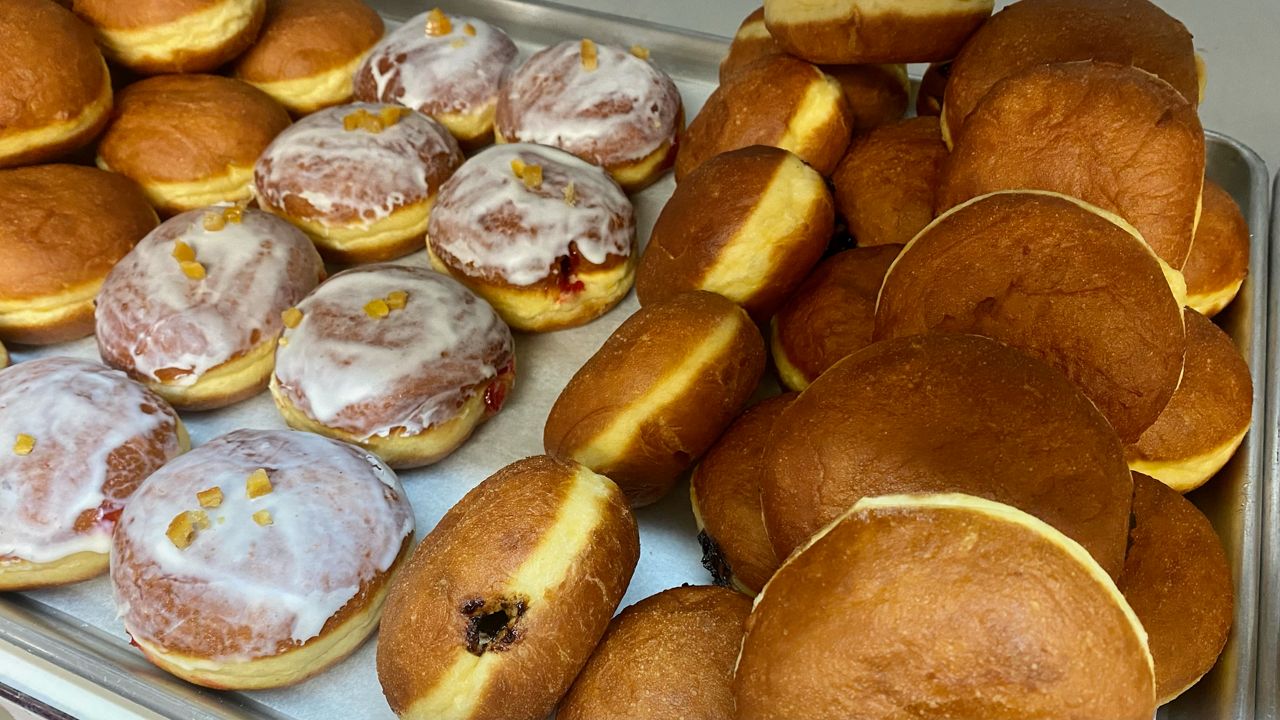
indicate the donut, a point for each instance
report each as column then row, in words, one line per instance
column 724, row 491
column 886, row 186
column 548, row 239
column 399, row 360
column 4, row 357
column 57, row 94
column 658, row 393
column 190, row 141
column 1057, row 278
column 1219, row 259
column 932, row 87
column 503, row 602
column 1207, row 417
column 772, row 221
column 194, row 310
column 308, row 51
column 360, row 179
column 943, row 606
column 830, row 316
column 611, row 107
column 62, row 227
column 871, row 31
column 260, row 558
column 445, row 66
column 778, row 101
column 668, row 657
column 1143, row 141
column 161, row 36
column 1178, row 582
column 1040, row 32
column 76, row 439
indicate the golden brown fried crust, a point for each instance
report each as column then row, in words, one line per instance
column 887, row 184
column 1177, row 580
column 877, row 36
column 302, row 38
column 143, row 14
column 745, row 50
column 947, row 413
column 877, row 94
column 1219, row 257
column 932, row 87
column 668, row 657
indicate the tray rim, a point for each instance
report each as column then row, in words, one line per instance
column 1267, row 696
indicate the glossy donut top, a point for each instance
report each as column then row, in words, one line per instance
column 407, row 371
column 621, row 111
column 158, row 324
column 339, row 518
column 93, row 435
column 304, row 38
column 50, row 68
column 137, row 14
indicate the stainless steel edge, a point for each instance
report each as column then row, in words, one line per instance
column 1268, row 691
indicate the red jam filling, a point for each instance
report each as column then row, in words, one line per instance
column 569, row 284
column 495, row 396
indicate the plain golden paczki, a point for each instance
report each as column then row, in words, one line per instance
column 872, row 31
column 1219, row 259
column 162, row 36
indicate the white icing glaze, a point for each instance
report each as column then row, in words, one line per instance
column 79, row 413
column 621, row 111
column 410, row 370
column 487, row 219
column 150, row 316
column 355, row 176
column 434, row 74
column 339, row 517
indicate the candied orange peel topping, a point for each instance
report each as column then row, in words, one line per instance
column 570, row 194
column 192, row 269
column 377, row 309
column 183, row 252
column 374, row 123
column 531, row 174
column 469, row 29
column 291, row 317
column 214, row 221
column 210, row 498
column 182, row 529
column 397, row 299
column 24, row 444
column 438, row 23
column 234, row 214
column 590, row 58
column 257, row 484
column 262, row 517
column 640, row 51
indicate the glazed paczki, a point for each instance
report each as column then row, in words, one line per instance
column 873, row 31
column 162, row 36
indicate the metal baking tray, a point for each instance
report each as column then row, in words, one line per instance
column 1269, row 620
column 59, row 627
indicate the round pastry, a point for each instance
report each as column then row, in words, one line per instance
column 778, row 101
column 725, row 494
column 1207, row 417
column 445, row 66
column 886, row 186
column 871, row 31
column 773, row 218
column 932, row 88
column 1177, row 580
column 1057, row 278
column 943, row 606
column 658, row 393
column 57, row 93
column 4, row 357
column 1219, row 259
column 76, row 439
column 360, row 179
column 548, row 239
column 260, row 558
column 993, row 423
column 190, row 141
column 830, row 316
column 399, row 360
column 194, row 310
column 611, row 107
column 1143, row 143
column 162, row 36
column 502, row 603
column 668, row 657
column 62, row 227
column 1040, row 32
column 308, row 51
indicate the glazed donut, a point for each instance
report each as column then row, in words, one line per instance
column 62, row 227
column 502, row 603
column 777, row 101
column 1057, row 278
column 872, row 31
column 399, row 360
column 608, row 106
column 1219, row 259
column 161, row 36
column 668, row 657
column 400, row 158
column 308, row 51
column 57, row 94
column 724, row 492
column 932, row 88
column 1143, row 141
column 830, row 316
column 658, row 393
column 961, row 606
column 773, row 218
column 194, row 310
column 445, row 66
column 76, row 440
column 260, row 558
column 190, row 141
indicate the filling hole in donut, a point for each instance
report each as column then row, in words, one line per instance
column 493, row 625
